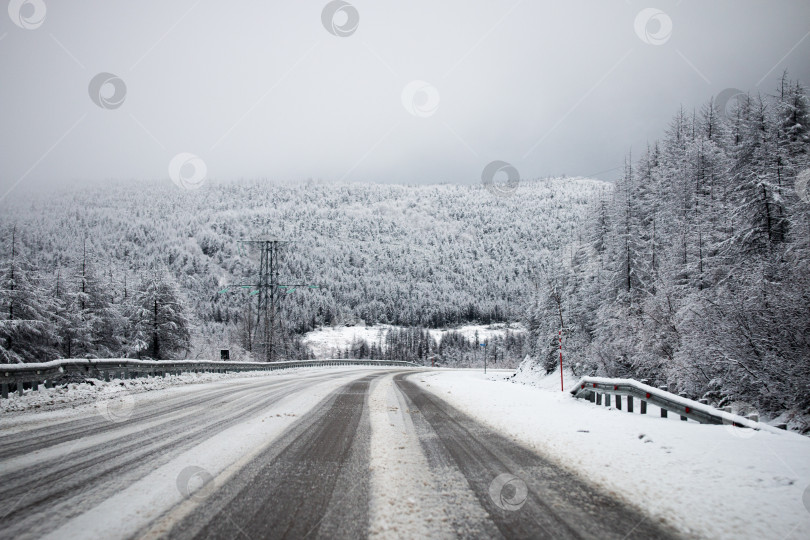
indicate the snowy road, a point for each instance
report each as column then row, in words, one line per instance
column 320, row 453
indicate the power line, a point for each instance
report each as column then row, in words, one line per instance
column 605, row 171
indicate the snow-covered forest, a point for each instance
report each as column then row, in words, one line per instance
column 695, row 270
column 84, row 269
column 691, row 271
column 500, row 345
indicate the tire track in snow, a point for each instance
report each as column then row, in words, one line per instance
column 32, row 440
column 405, row 497
column 558, row 504
column 312, row 482
column 47, row 492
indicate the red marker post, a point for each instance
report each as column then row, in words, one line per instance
column 562, row 389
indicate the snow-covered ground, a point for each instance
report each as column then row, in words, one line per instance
column 328, row 341
column 218, row 457
column 714, row 481
column 485, row 331
column 707, row 481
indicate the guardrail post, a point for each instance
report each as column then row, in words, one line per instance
column 607, row 400
column 618, row 402
column 629, row 403
column 644, row 403
column 683, row 418
column 35, row 386
column 598, row 398
column 663, row 410
column 20, row 389
column 4, row 390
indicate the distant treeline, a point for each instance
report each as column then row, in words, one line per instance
column 454, row 349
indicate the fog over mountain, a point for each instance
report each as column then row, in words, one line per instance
column 272, row 90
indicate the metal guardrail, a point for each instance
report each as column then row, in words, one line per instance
column 16, row 377
column 599, row 389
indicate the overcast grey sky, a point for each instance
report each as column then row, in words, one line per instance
column 262, row 88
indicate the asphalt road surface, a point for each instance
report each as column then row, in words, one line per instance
column 332, row 472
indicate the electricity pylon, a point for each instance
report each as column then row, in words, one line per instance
column 267, row 288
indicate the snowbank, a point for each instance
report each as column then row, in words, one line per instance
column 706, row 480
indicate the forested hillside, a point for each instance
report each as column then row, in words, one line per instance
column 102, row 271
column 695, row 271
column 692, row 271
